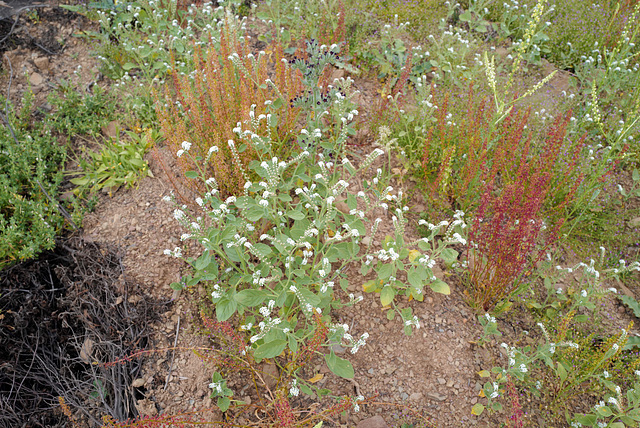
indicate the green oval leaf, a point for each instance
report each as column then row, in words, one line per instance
column 270, row 349
column 224, row 403
column 441, row 287
column 296, row 215
column 449, row 255
column 477, row 409
column 250, row 297
column 386, row 295
column 225, row 308
column 339, row 366
column 604, row 411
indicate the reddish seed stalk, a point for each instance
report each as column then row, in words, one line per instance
column 517, row 415
column 215, row 100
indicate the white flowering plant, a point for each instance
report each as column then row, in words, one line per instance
column 617, row 410
column 398, row 257
column 563, row 366
column 152, row 37
column 489, row 328
column 274, row 255
column 221, row 391
column 584, row 292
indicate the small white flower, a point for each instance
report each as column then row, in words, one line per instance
column 606, row 374
column 186, row 146
column 293, row 390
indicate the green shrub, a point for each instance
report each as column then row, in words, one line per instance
column 29, row 166
column 80, row 114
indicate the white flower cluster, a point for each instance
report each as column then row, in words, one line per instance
column 293, row 389
column 490, row 319
column 390, row 254
column 413, row 322
column 265, row 326
column 217, row 292
column 511, row 354
column 177, row 252
column 342, row 330
column 304, row 305
column 326, row 286
column 216, row 386
column 588, row 269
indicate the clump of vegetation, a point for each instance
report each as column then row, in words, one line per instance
column 262, row 138
column 30, row 177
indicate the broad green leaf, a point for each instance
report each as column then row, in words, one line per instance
column 339, row 366
column 414, row 278
column 449, row 255
column 370, row 286
column 386, row 295
column 191, row 174
column 632, row 342
column 562, row 372
column 309, row 296
column 250, row 297
column 477, row 409
column 441, row 287
column 634, row 414
column 270, row 349
column 225, row 308
column 242, row 202
column 466, row 16
column 224, row 403
column 264, row 249
column 296, row 215
column 232, row 253
column 632, row 304
column 136, row 162
column 414, row 254
column 80, row 181
column 484, row 373
column 604, row 411
column 293, row 343
column 385, row 271
column 203, row 261
column 581, row 318
column 586, row 420
column 254, row 213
